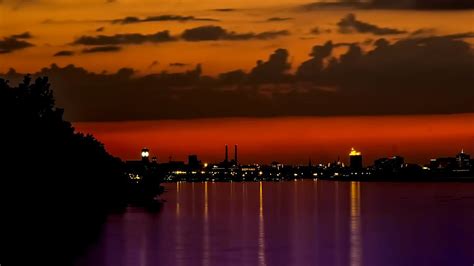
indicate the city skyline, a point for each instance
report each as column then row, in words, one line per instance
column 392, row 168
column 354, row 158
column 292, row 140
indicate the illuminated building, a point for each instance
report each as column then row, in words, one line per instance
column 463, row 160
column 145, row 154
column 137, row 169
column 355, row 159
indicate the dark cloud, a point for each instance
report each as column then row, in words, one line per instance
column 318, row 30
column 414, row 75
column 392, row 4
column 130, row 38
column 423, row 32
column 177, row 64
column 313, row 67
column 204, row 33
column 214, row 33
column 102, row 49
column 64, row 53
column 224, row 9
column 350, row 24
column 273, row 19
column 132, row 20
column 11, row 44
column 24, row 35
column 100, row 29
column 274, row 70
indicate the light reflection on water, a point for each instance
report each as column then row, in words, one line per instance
column 295, row 223
column 206, row 244
column 261, row 230
column 356, row 238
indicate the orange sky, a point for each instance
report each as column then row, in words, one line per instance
column 290, row 139
column 55, row 24
column 73, row 19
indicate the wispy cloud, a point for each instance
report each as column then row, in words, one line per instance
column 128, row 38
column 133, row 20
column 214, row 33
column 15, row 42
column 350, row 24
column 64, row 53
column 102, row 49
column 276, row 19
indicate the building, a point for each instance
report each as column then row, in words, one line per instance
column 389, row 165
column 444, row 163
column 463, row 160
column 194, row 163
column 145, row 155
column 137, row 169
column 355, row 160
column 229, row 163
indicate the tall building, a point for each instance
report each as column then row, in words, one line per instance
column 463, row 160
column 355, row 159
column 145, row 155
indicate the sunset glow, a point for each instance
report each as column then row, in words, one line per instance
column 290, row 140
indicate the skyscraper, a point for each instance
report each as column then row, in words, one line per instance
column 355, row 159
column 463, row 160
column 145, row 154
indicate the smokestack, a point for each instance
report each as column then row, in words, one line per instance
column 226, row 154
column 235, row 153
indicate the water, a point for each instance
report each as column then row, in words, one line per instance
column 295, row 223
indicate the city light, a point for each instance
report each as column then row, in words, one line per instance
column 390, row 167
column 354, row 152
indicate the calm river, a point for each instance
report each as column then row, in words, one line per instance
column 295, row 223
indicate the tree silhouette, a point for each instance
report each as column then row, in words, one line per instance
column 57, row 185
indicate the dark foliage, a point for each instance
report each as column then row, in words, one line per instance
column 57, row 185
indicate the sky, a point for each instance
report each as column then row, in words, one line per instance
column 113, row 62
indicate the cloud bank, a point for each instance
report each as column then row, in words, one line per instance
column 415, row 75
column 134, row 20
